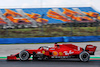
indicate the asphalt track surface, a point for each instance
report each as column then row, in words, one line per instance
column 49, row 63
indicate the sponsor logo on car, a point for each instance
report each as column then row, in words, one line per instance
column 60, row 53
column 43, row 52
column 67, row 53
column 55, row 53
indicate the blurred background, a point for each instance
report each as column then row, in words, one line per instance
column 49, row 18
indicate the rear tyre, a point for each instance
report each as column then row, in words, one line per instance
column 84, row 56
column 24, row 55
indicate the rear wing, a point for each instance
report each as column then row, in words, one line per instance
column 90, row 49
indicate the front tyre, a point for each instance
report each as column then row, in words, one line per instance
column 24, row 55
column 84, row 56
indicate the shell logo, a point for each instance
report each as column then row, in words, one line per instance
column 43, row 52
column 55, row 53
column 60, row 53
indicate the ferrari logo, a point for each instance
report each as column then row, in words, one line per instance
column 43, row 52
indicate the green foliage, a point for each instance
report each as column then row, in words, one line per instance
column 48, row 32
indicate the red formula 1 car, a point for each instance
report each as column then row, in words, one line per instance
column 58, row 52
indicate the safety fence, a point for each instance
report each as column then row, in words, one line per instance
column 49, row 39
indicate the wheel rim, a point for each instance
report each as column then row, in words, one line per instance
column 85, row 56
column 23, row 55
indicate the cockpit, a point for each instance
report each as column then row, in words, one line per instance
column 44, row 47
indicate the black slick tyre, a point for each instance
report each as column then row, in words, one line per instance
column 24, row 55
column 84, row 56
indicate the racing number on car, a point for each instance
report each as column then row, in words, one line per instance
column 67, row 53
